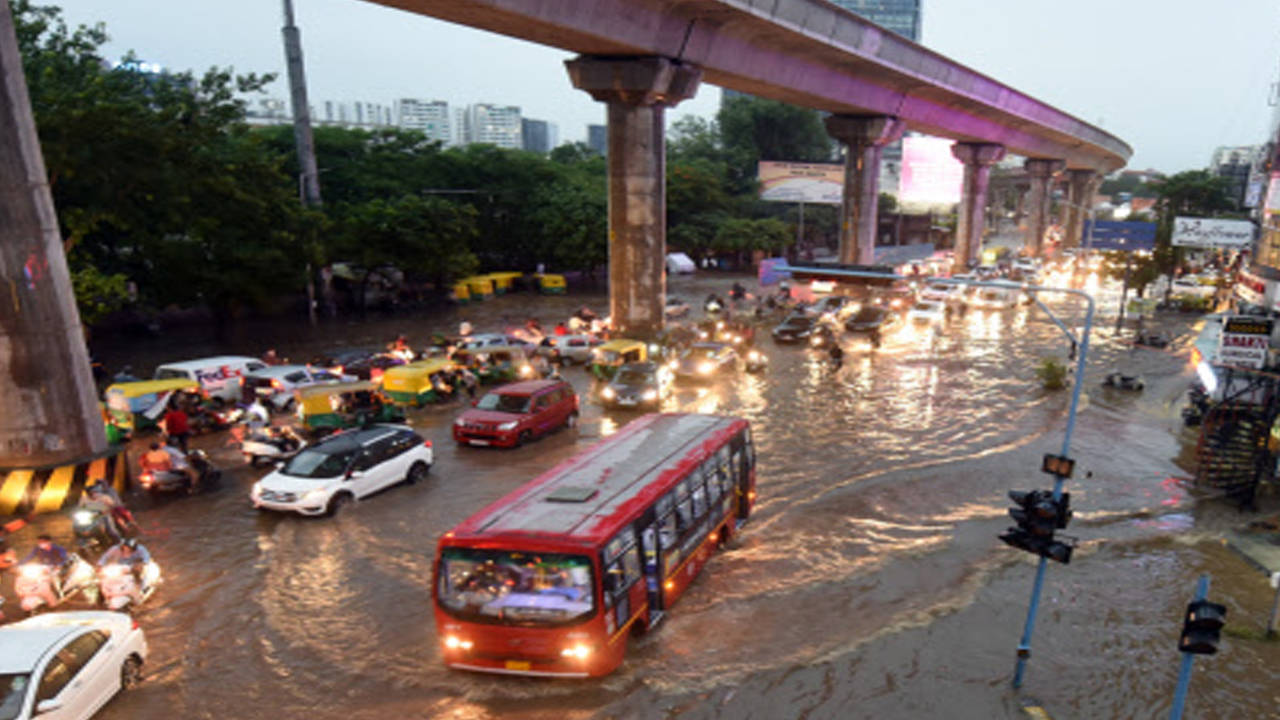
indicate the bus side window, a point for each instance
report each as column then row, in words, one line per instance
column 667, row 535
column 699, row 496
column 712, row 479
column 684, row 508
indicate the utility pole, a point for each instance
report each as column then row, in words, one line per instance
column 51, row 413
column 309, row 175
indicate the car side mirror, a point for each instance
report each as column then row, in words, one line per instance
column 47, row 706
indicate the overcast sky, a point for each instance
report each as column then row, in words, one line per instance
column 1173, row 78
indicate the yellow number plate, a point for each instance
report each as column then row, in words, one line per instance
column 517, row 665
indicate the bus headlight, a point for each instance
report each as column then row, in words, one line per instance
column 455, row 643
column 706, row 367
column 580, row 651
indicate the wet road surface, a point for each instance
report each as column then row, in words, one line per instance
column 869, row 582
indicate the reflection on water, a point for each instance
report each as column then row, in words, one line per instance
column 868, row 583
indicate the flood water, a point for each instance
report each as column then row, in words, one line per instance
column 869, row 582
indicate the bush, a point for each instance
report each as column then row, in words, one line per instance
column 1052, row 373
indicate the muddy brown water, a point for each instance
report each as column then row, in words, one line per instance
column 868, row 584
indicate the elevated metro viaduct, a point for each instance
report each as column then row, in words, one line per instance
column 642, row 56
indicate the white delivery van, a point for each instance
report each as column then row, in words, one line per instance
column 678, row 262
column 219, row 376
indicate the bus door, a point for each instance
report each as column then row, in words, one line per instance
column 743, row 459
column 651, row 549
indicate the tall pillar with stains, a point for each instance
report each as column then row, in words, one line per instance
column 1080, row 189
column 1041, row 172
column 977, row 159
column 637, row 92
column 48, row 407
column 864, row 138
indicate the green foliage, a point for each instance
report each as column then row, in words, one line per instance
column 754, row 129
column 430, row 236
column 98, row 295
column 1052, row 373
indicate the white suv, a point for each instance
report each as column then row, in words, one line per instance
column 325, row 477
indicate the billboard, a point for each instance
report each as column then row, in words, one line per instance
column 931, row 175
column 1244, row 341
column 801, row 182
column 1116, row 235
column 1206, row 233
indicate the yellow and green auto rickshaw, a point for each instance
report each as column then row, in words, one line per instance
column 551, row 284
column 418, row 383
column 503, row 282
column 461, row 293
column 497, row 363
column 135, row 406
column 480, row 287
column 323, row 409
column 608, row 357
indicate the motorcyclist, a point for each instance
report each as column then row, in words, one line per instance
column 256, row 416
column 837, row 355
column 128, row 552
column 120, row 512
column 53, row 556
column 182, row 465
column 100, row 502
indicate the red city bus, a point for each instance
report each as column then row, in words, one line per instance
column 548, row 580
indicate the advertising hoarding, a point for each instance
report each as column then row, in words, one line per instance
column 930, row 173
column 1207, row 233
column 801, row 182
column 1244, row 341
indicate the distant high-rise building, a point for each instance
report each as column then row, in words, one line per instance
column 361, row 115
column 598, row 138
column 267, row 111
column 900, row 16
column 429, row 116
column 1237, row 165
column 539, row 135
column 492, row 125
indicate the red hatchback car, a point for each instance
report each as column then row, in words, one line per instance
column 514, row 414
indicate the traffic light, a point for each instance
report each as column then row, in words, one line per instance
column 1202, row 627
column 1038, row 515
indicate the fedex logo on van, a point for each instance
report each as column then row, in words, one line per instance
column 216, row 375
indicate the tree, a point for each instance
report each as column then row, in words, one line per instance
column 754, row 129
column 154, row 176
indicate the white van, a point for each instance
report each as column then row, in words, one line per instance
column 219, row 376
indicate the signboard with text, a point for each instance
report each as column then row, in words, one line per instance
column 801, row 182
column 1244, row 341
column 1207, row 233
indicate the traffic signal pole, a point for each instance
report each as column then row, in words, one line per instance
column 1184, row 674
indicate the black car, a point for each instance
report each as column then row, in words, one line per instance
column 796, row 328
column 872, row 318
column 337, row 360
column 367, row 368
column 643, row 384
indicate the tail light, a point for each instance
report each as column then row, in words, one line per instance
column 133, row 624
column 339, row 370
column 277, row 384
column 240, row 380
column 426, row 443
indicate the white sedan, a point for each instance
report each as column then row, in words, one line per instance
column 927, row 312
column 66, row 665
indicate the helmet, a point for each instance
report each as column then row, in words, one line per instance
column 131, row 543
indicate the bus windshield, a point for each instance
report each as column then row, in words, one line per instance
column 510, row 587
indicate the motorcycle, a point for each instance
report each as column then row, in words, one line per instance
column 270, row 445
column 36, row 582
column 713, row 305
column 821, row 337
column 756, row 361
column 92, row 530
column 207, row 420
column 1123, row 382
column 177, row 480
column 122, row 589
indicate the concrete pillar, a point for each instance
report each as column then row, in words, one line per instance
column 50, row 409
column 978, row 159
column 864, row 138
column 637, row 91
column 1080, row 185
column 1041, row 172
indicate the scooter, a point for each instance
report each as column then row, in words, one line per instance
column 121, row 588
column 92, row 530
column 1123, row 382
column 176, row 480
column 262, row 444
column 756, row 362
column 35, row 582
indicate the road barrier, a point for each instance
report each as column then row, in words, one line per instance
column 54, row 487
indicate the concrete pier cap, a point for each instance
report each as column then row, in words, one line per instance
column 637, row 90
column 864, row 137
